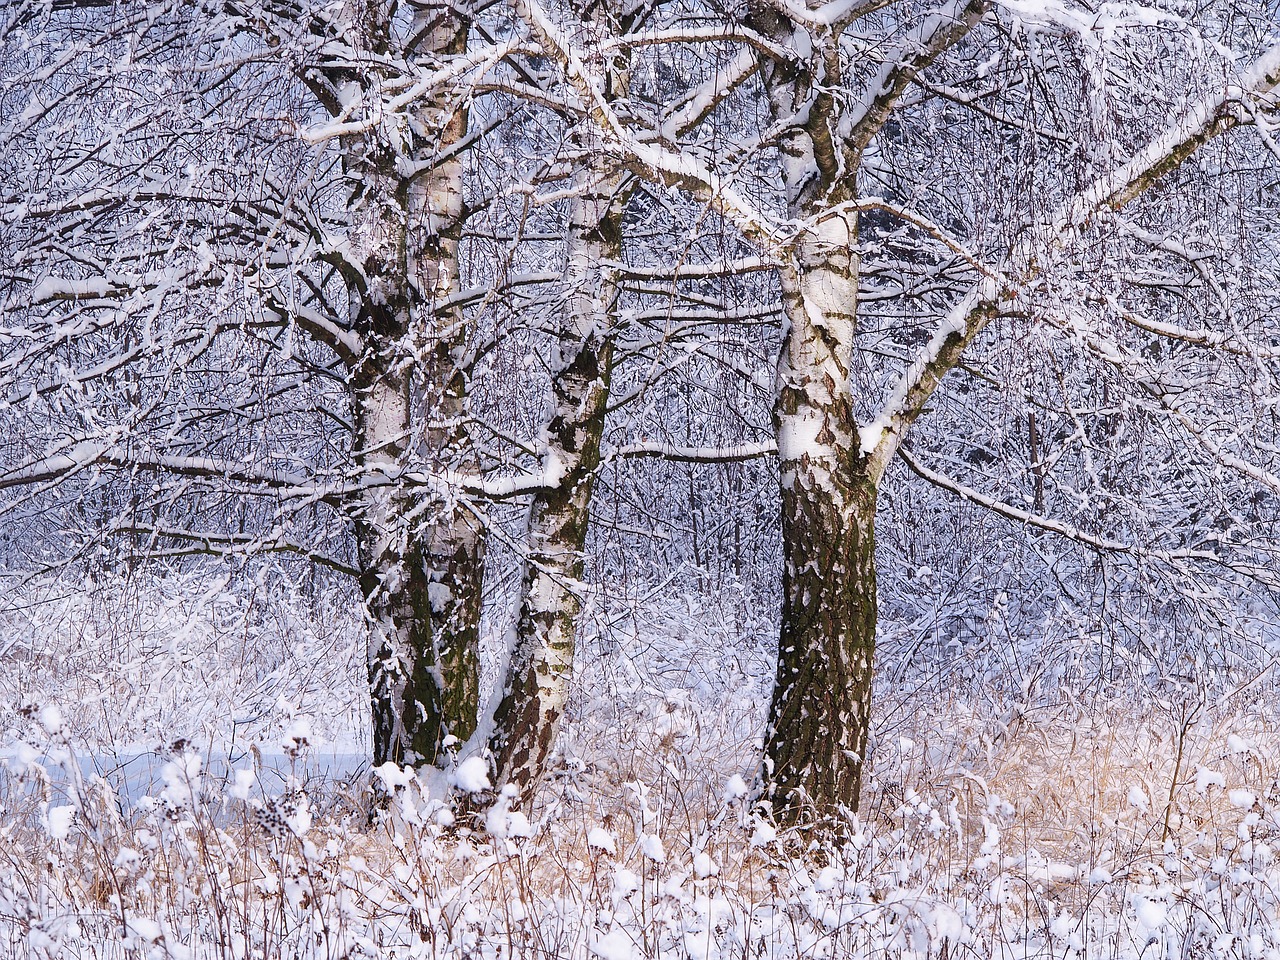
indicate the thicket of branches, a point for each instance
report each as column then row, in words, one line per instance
column 615, row 288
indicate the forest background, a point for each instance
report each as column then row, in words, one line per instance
column 950, row 330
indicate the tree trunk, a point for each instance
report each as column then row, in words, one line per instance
column 422, row 560
column 424, row 607
column 817, row 733
column 527, row 719
column 816, row 737
column 819, row 716
column 536, row 685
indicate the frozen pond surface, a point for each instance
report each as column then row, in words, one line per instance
column 138, row 773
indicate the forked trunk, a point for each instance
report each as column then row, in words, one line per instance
column 422, row 560
column 422, row 555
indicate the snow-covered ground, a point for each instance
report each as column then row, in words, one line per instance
column 1080, row 827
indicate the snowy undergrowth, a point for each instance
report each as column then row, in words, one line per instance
column 1084, row 828
column 948, row 866
column 134, row 662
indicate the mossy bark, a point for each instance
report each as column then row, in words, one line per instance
column 421, row 554
column 527, row 719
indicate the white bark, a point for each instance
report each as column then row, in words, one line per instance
column 422, row 560
column 527, row 720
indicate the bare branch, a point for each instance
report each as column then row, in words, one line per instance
column 966, row 320
column 1073, row 533
column 647, row 161
column 940, row 31
column 732, row 454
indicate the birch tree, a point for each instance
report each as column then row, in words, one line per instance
column 341, row 282
column 804, row 768
column 594, row 335
column 260, row 276
column 333, row 270
column 421, row 579
column 838, row 80
column 527, row 717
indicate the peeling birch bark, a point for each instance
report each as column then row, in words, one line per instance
column 818, row 719
column 527, row 719
column 422, row 563
column 830, row 468
column 817, row 728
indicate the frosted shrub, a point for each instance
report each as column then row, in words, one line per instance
column 221, row 867
column 140, row 660
column 987, row 829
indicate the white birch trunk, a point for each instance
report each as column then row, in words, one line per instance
column 422, row 563
column 816, row 735
column 818, row 719
column 527, row 719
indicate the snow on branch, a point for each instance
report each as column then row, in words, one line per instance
column 1165, row 153
column 650, row 162
column 731, row 454
column 1037, row 255
column 425, row 83
column 959, row 328
column 726, row 33
column 691, row 271
column 205, row 543
column 701, row 100
column 1208, row 339
column 346, row 343
column 451, row 483
column 835, row 13
column 82, row 454
column 1073, row 533
column 939, row 31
